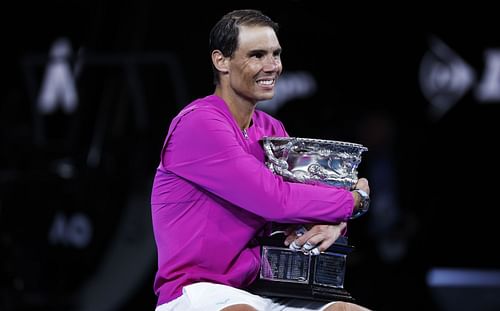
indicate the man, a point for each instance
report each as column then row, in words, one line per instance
column 212, row 193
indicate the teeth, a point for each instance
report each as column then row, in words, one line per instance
column 266, row 82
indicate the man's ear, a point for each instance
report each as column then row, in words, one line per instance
column 220, row 61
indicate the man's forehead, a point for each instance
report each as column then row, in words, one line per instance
column 258, row 38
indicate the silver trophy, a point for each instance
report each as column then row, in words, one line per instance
column 288, row 272
column 309, row 160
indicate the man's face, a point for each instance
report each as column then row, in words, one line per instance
column 256, row 64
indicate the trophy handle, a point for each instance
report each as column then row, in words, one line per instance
column 278, row 166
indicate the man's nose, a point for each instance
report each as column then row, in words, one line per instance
column 271, row 64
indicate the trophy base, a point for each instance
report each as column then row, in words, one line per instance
column 299, row 291
column 292, row 274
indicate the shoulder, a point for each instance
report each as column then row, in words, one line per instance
column 201, row 116
column 270, row 123
column 209, row 109
column 205, row 105
column 265, row 118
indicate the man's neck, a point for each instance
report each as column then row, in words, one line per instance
column 242, row 110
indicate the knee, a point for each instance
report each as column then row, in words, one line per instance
column 345, row 306
column 240, row 307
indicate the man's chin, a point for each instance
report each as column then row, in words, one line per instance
column 266, row 96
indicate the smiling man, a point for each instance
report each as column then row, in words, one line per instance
column 213, row 194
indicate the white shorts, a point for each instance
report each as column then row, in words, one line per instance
column 206, row 296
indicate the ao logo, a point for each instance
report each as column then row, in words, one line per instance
column 445, row 77
column 74, row 230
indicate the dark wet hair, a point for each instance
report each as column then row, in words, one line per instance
column 224, row 34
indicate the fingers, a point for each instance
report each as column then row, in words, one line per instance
column 294, row 234
column 300, row 231
column 309, row 242
column 297, row 239
column 294, row 246
column 311, row 248
column 317, row 239
column 307, row 248
column 315, row 251
column 363, row 185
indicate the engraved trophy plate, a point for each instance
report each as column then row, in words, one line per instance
column 284, row 265
column 289, row 273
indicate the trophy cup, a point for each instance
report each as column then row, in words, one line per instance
column 286, row 272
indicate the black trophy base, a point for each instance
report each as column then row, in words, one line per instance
column 299, row 291
column 326, row 268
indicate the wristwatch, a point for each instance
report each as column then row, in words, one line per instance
column 364, row 204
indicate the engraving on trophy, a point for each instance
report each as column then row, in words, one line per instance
column 330, row 270
column 283, row 264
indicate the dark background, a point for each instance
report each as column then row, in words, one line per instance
column 144, row 60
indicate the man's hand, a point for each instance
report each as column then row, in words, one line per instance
column 315, row 239
column 361, row 196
